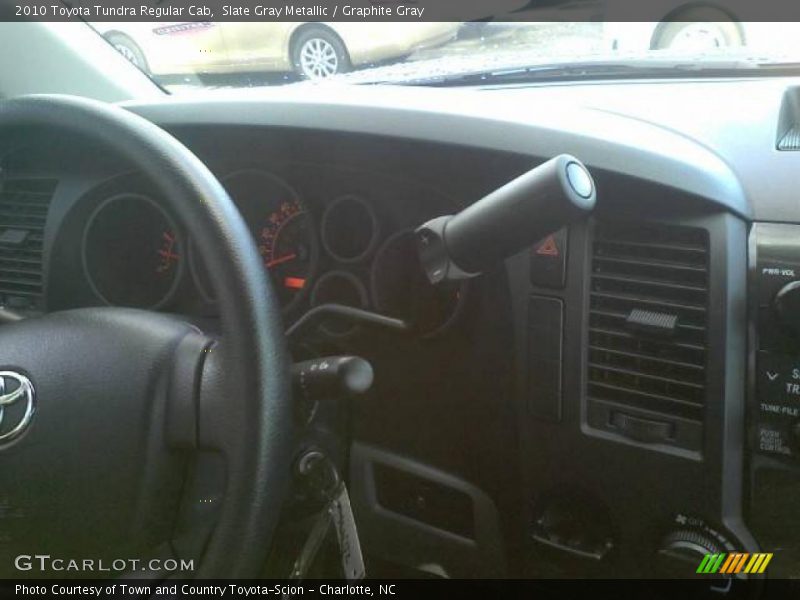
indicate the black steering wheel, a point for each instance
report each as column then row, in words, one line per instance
column 109, row 405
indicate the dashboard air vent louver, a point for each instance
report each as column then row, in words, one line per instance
column 23, row 211
column 791, row 140
column 647, row 333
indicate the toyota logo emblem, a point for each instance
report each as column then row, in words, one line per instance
column 17, row 405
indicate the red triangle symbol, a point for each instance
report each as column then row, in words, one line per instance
column 548, row 247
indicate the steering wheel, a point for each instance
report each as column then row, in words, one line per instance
column 106, row 407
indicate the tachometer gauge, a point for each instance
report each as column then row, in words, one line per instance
column 282, row 229
column 131, row 252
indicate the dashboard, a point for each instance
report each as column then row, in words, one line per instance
column 531, row 427
column 326, row 234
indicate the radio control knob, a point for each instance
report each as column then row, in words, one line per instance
column 787, row 305
column 684, row 549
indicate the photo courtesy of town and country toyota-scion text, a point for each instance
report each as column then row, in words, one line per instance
column 200, row 590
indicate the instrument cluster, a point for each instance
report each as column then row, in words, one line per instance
column 329, row 243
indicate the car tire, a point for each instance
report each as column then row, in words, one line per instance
column 699, row 28
column 129, row 49
column 318, row 53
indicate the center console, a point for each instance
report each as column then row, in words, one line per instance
column 774, row 392
column 632, row 402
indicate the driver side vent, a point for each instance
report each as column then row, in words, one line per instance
column 647, row 333
column 23, row 211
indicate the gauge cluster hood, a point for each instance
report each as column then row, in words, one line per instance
column 535, row 121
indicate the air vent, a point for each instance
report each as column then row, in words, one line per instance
column 788, row 133
column 23, row 212
column 790, row 140
column 647, row 333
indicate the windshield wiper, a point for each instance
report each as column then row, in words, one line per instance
column 591, row 70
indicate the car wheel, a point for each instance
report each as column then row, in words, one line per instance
column 318, row 53
column 699, row 29
column 129, row 49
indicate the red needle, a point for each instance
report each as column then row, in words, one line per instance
column 168, row 254
column 280, row 260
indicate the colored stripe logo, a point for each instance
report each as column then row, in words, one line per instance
column 733, row 563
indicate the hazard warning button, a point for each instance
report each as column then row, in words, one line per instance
column 549, row 260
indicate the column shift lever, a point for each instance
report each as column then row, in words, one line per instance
column 513, row 217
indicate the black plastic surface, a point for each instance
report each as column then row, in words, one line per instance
column 545, row 333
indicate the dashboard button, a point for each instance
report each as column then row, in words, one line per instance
column 778, row 397
column 772, row 276
column 549, row 260
column 787, row 305
column 778, row 258
column 580, row 180
column 779, row 378
column 794, row 435
column 772, row 440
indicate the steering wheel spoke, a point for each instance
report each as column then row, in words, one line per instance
column 183, row 408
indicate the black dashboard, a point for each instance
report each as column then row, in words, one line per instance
column 533, row 428
column 326, row 232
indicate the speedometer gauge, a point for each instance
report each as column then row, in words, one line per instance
column 282, row 229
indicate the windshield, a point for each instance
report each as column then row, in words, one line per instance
column 198, row 56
